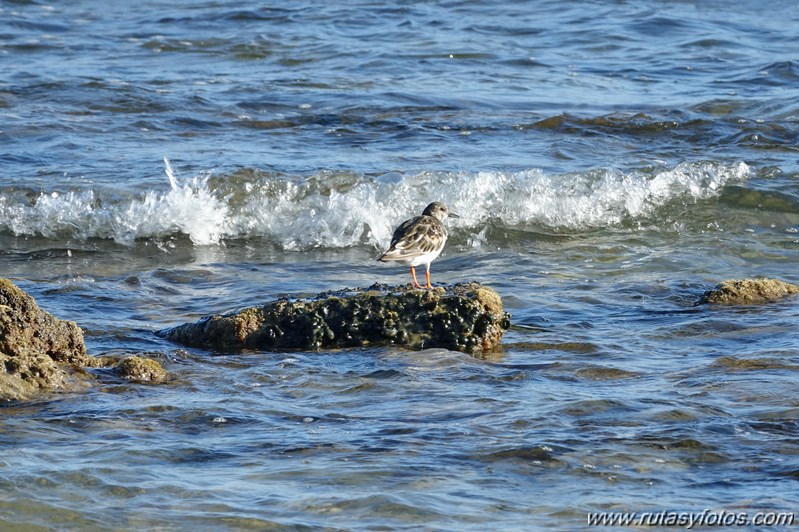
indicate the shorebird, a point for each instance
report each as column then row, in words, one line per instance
column 420, row 240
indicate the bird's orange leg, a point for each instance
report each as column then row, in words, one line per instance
column 427, row 275
column 413, row 274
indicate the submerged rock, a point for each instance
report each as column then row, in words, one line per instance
column 140, row 369
column 748, row 292
column 39, row 352
column 464, row 317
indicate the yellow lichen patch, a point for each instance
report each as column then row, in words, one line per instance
column 248, row 321
column 489, row 299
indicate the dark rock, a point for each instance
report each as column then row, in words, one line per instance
column 748, row 292
column 463, row 317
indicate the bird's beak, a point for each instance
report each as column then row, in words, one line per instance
column 453, row 215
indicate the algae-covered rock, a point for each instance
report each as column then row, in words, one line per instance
column 40, row 353
column 748, row 292
column 37, row 350
column 464, row 317
column 141, row 369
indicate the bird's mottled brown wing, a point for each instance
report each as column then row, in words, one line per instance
column 415, row 237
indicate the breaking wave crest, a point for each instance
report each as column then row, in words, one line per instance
column 337, row 210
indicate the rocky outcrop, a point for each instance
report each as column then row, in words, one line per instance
column 748, row 292
column 464, row 317
column 39, row 352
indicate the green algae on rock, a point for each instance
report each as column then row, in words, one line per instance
column 465, row 317
column 748, row 292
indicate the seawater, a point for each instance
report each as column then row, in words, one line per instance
column 610, row 162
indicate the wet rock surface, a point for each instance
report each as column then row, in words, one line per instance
column 465, row 317
column 140, row 369
column 748, row 292
column 40, row 353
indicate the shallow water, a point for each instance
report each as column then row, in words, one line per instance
column 164, row 161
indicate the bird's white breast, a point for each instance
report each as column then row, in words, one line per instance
column 426, row 258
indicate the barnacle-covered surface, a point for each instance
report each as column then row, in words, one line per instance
column 464, row 317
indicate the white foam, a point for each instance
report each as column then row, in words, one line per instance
column 342, row 210
column 189, row 208
column 310, row 214
column 598, row 198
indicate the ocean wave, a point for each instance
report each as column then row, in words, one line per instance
column 340, row 209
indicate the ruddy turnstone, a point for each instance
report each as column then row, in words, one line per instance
column 420, row 240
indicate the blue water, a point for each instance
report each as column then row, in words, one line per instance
column 610, row 162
